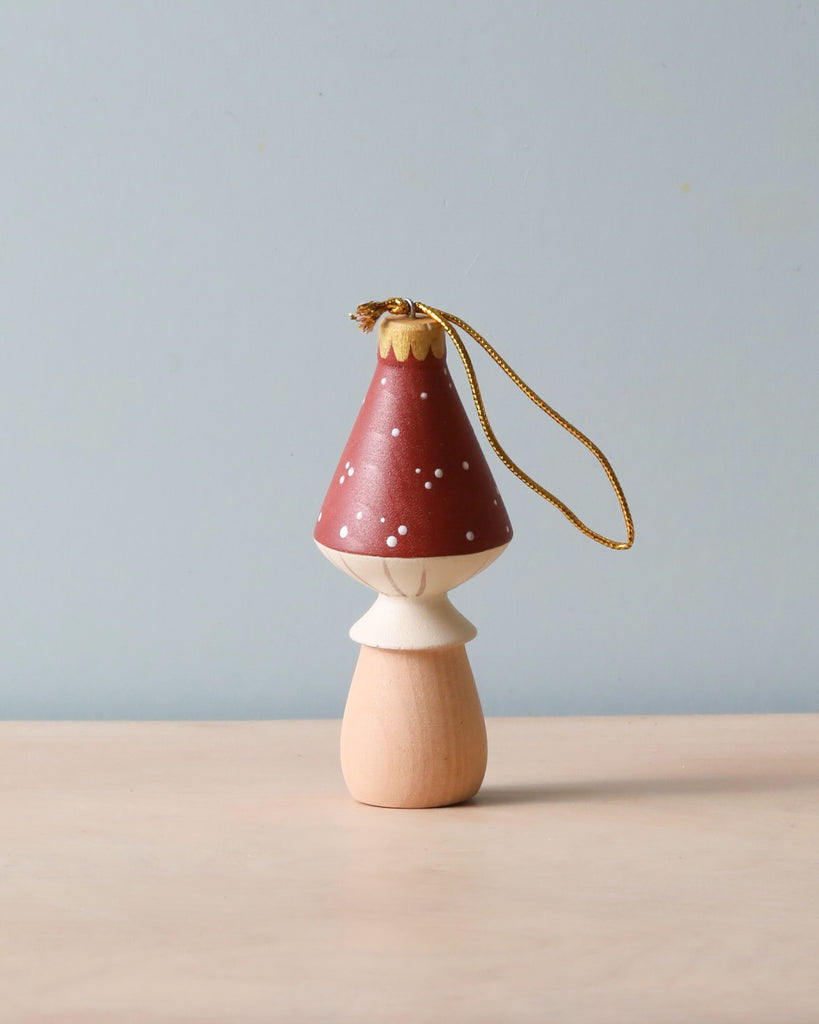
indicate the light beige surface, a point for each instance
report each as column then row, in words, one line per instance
column 611, row 870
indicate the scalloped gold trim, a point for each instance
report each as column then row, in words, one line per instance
column 404, row 334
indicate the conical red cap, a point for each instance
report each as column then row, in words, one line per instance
column 412, row 481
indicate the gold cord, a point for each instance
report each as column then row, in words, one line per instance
column 366, row 316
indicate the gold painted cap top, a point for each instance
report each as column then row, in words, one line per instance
column 404, row 334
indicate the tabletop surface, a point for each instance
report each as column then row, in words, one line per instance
column 611, row 870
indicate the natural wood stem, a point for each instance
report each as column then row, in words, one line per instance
column 413, row 732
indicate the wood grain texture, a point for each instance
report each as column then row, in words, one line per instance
column 413, row 732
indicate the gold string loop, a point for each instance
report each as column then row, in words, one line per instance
column 367, row 314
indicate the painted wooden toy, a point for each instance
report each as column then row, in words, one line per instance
column 412, row 511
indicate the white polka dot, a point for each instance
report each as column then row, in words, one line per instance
column 424, row 394
column 494, row 501
column 391, row 542
column 383, row 520
column 341, row 479
column 507, row 529
column 359, row 515
column 383, row 381
column 395, row 431
column 350, row 471
column 343, row 532
column 319, row 518
column 465, row 465
column 428, row 485
column 439, row 473
column 402, row 530
column 347, row 464
column 470, row 535
column 417, row 470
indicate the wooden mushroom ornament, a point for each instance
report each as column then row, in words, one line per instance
column 412, row 511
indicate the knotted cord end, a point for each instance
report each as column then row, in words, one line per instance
column 368, row 313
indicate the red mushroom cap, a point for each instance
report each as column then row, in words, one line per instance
column 412, row 481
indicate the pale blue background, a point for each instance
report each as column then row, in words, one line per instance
column 622, row 196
